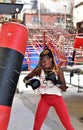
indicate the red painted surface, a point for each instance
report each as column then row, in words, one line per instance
column 4, row 116
column 14, row 36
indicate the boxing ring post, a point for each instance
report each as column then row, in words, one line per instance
column 44, row 39
column 13, row 39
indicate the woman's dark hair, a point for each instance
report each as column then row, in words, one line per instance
column 49, row 53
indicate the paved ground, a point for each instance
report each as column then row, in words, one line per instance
column 24, row 107
column 25, row 103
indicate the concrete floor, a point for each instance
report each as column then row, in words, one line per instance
column 25, row 103
column 26, row 111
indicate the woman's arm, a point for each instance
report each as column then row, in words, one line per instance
column 62, row 78
column 34, row 72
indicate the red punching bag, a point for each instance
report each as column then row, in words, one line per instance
column 13, row 39
column 78, row 42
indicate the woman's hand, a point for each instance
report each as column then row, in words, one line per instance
column 25, row 78
column 63, row 87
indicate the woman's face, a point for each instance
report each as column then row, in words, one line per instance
column 46, row 62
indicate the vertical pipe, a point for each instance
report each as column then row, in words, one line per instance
column 39, row 12
column 65, row 15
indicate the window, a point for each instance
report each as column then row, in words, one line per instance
column 59, row 20
column 35, row 19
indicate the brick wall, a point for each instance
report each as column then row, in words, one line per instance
column 45, row 18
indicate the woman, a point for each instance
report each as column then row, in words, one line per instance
column 52, row 82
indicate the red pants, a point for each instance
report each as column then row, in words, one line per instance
column 45, row 103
